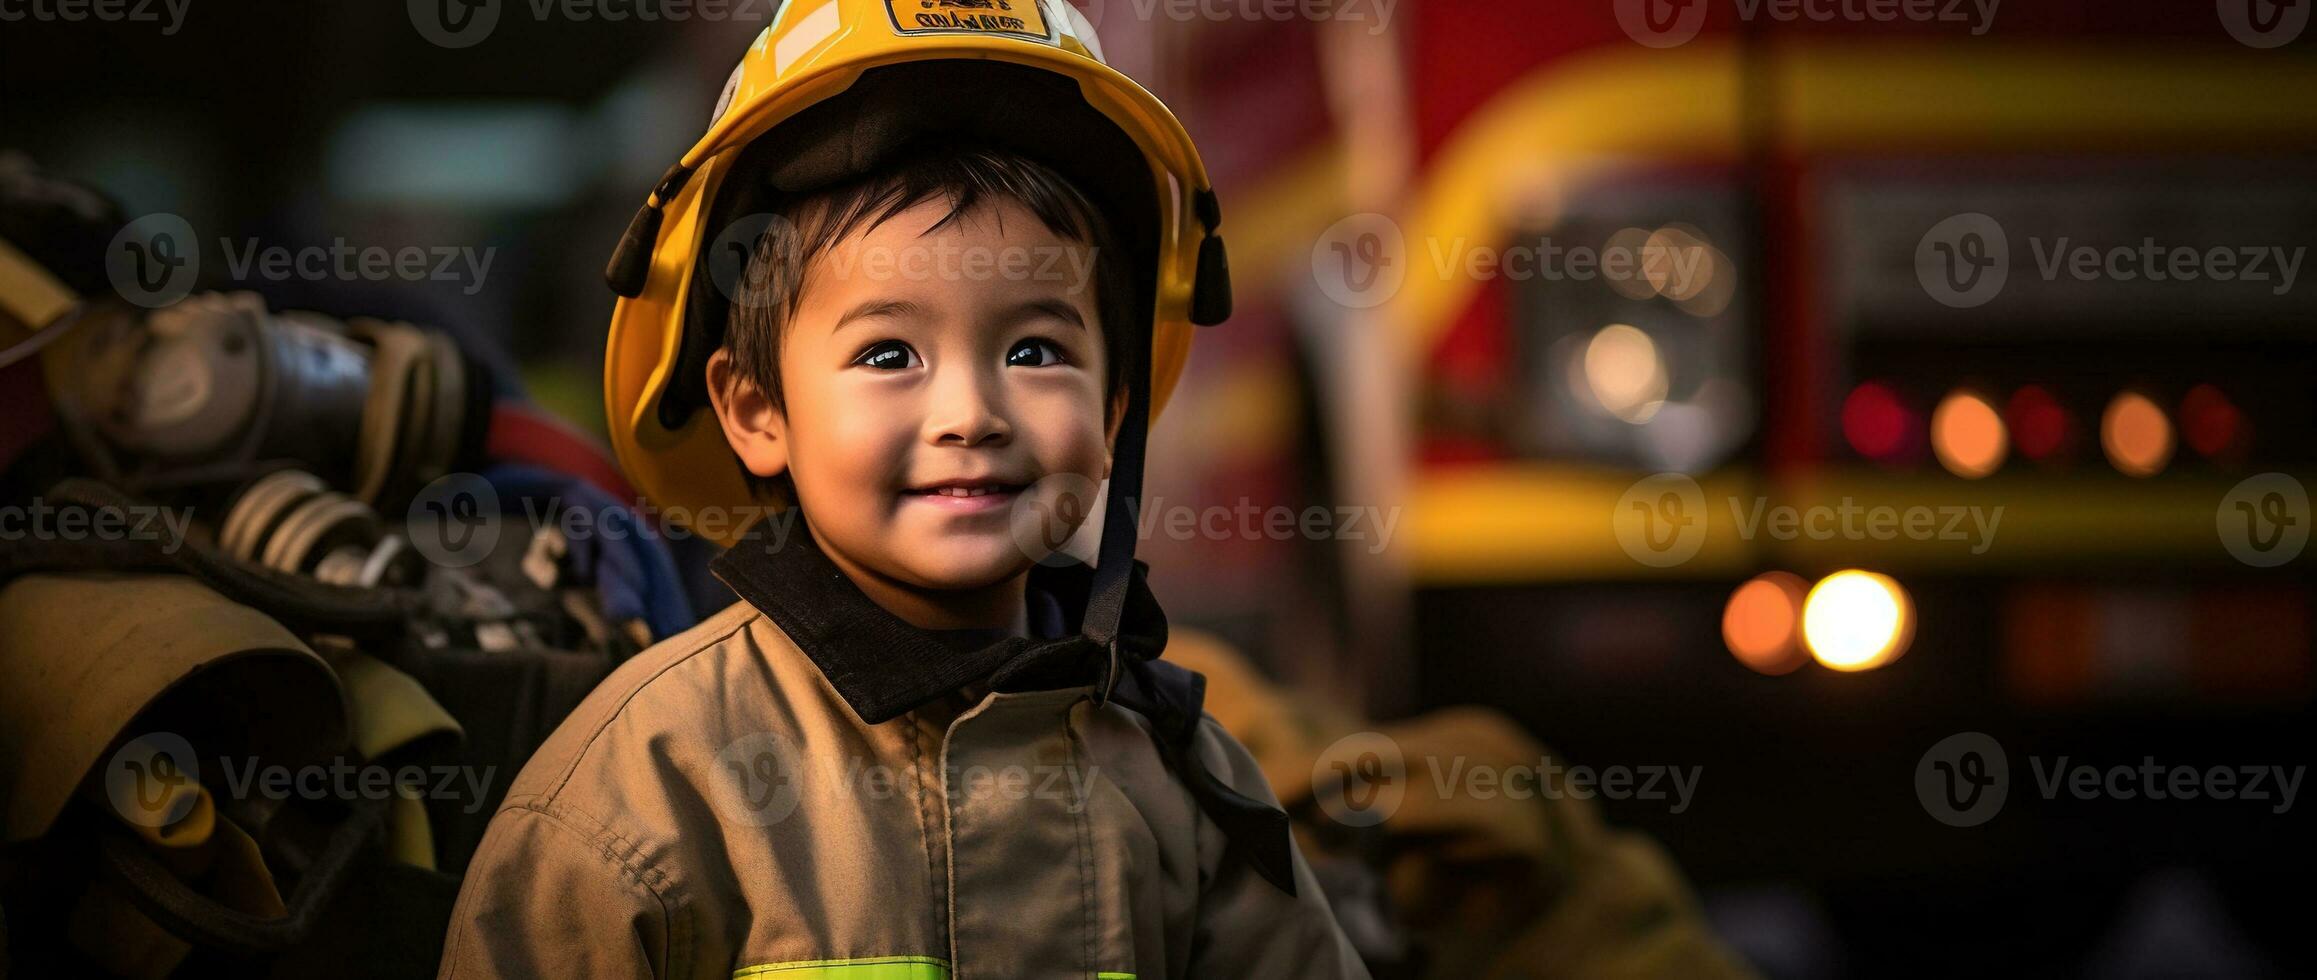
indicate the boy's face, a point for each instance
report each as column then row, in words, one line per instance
column 932, row 379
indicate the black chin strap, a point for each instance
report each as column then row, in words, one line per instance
column 1114, row 563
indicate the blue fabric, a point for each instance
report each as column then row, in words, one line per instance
column 634, row 573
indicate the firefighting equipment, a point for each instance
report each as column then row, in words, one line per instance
column 795, row 789
column 35, row 308
column 217, row 385
column 828, row 92
column 290, row 522
column 1497, row 886
column 86, row 654
column 52, row 232
column 295, row 625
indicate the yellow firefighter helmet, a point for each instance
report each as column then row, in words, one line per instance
column 824, row 94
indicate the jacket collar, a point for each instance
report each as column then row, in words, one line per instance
column 884, row 667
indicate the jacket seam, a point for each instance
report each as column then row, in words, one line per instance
column 563, row 778
column 676, row 957
column 924, row 825
column 1086, row 925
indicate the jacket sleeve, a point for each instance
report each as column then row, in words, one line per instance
column 1247, row 926
column 550, row 894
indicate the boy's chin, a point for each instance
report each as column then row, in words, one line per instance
column 964, row 565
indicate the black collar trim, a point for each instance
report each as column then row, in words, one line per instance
column 884, row 667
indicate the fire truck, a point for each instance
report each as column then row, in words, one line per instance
column 1789, row 388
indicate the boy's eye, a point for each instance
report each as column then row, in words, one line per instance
column 887, row 355
column 1033, row 353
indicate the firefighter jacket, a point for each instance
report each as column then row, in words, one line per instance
column 806, row 788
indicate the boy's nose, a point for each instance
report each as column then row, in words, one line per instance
column 966, row 411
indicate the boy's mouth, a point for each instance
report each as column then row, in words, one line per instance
column 967, row 496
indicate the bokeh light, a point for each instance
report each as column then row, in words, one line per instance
column 1627, row 376
column 2136, row 435
column 1762, row 622
column 2209, row 422
column 1678, row 263
column 2040, row 425
column 1875, row 422
column 1857, row 620
column 1634, row 282
column 1967, row 435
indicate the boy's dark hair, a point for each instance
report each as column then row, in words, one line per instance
column 966, row 177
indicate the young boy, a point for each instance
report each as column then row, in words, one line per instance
column 966, row 260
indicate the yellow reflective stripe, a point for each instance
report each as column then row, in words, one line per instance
column 866, row 968
column 869, row 968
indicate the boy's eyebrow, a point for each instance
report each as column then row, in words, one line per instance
column 1053, row 306
column 897, row 308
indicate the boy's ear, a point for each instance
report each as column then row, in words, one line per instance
column 1110, row 433
column 756, row 430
